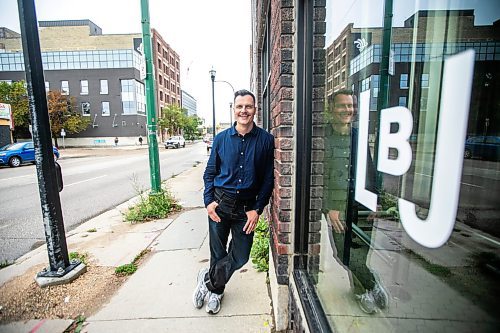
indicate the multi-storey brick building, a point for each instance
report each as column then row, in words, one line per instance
column 167, row 70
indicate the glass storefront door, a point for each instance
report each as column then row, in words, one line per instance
column 410, row 234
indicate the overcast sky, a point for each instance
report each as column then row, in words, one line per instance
column 204, row 33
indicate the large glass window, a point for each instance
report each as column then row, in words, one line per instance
column 133, row 97
column 410, row 229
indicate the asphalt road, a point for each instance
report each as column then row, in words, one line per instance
column 92, row 185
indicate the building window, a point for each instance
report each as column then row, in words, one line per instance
column 85, row 108
column 47, row 86
column 161, row 96
column 403, row 81
column 84, row 87
column 64, row 87
column 128, row 98
column 425, row 80
column 160, row 80
column 402, row 101
column 105, row 109
column 104, row 87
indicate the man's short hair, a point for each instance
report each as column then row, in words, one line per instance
column 349, row 92
column 244, row 92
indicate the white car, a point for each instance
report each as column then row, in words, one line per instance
column 175, row 142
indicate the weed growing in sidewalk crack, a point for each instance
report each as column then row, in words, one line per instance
column 127, row 269
column 5, row 263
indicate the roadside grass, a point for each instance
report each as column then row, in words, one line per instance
column 150, row 206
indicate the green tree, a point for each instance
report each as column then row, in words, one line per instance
column 16, row 95
column 63, row 113
column 191, row 126
column 173, row 118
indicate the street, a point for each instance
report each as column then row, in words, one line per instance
column 92, row 185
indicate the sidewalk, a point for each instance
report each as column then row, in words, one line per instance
column 157, row 297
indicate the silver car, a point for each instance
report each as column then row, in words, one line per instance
column 175, row 142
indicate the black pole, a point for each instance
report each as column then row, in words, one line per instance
column 45, row 168
column 212, row 75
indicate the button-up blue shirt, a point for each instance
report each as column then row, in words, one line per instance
column 242, row 166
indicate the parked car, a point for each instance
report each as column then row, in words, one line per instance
column 175, row 142
column 16, row 154
column 483, row 147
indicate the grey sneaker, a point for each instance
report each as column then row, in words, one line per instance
column 213, row 304
column 381, row 296
column 201, row 289
column 366, row 302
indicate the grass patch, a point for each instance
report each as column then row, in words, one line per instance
column 92, row 230
column 82, row 257
column 151, row 207
column 127, row 269
column 260, row 247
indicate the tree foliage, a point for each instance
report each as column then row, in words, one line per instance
column 16, row 95
column 175, row 120
column 63, row 113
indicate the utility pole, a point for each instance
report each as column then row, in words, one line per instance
column 154, row 161
column 60, row 268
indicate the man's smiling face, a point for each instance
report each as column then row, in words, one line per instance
column 244, row 110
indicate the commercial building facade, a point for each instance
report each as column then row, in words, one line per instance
column 189, row 103
column 418, row 250
column 102, row 72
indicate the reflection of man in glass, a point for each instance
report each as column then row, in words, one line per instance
column 338, row 205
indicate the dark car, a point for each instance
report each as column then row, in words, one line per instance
column 483, row 147
column 16, row 154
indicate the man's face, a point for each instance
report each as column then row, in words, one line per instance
column 244, row 109
column 343, row 109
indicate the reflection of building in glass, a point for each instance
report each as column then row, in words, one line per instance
column 353, row 61
column 104, row 73
column 188, row 103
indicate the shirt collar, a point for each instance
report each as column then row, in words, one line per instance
column 253, row 132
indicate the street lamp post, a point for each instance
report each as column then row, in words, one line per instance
column 212, row 76
column 230, row 114
column 230, row 104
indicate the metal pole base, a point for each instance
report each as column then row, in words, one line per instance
column 47, row 278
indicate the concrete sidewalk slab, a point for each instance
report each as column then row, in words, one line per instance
column 187, row 187
column 38, row 326
column 163, row 286
column 187, row 232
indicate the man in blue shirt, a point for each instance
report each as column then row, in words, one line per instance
column 239, row 179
